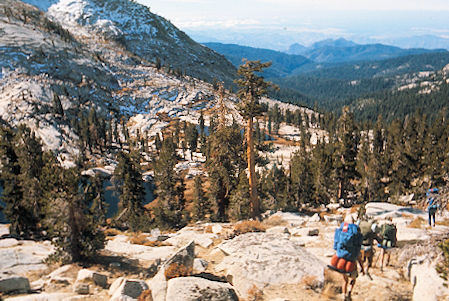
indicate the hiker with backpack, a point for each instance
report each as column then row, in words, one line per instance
column 388, row 233
column 432, row 204
column 347, row 243
column 368, row 230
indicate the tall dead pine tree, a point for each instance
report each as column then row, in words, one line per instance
column 252, row 88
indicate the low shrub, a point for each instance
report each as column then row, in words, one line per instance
column 311, row 282
column 139, row 239
column 145, row 296
column 208, row 229
column 417, row 223
column 156, row 243
column 255, row 294
column 274, row 221
column 175, row 270
column 248, row 226
column 111, row 232
column 443, row 267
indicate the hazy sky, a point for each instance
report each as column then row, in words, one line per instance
column 358, row 19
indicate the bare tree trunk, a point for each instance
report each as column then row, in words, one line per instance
column 254, row 201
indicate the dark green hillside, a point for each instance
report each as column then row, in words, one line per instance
column 283, row 64
column 331, row 88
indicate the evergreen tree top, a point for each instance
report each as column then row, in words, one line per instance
column 252, row 86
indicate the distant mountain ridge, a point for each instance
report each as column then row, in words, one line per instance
column 283, row 64
column 323, row 55
column 342, row 50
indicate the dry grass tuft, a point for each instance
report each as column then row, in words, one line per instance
column 274, row 221
column 255, row 294
column 354, row 209
column 138, row 239
column 175, row 270
column 324, row 213
column 248, row 226
column 208, row 229
column 310, row 282
column 156, row 243
column 111, row 232
column 444, row 222
column 332, row 286
column 145, row 296
column 417, row 223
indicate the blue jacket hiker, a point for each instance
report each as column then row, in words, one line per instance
column 432, row 204
column 432, row 209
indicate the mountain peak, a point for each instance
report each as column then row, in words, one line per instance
column 340, row 42
column 296, row 48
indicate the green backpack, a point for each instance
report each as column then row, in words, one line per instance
column 365, row 229
column 388, row 233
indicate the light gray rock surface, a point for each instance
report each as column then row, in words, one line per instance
column 386, row 210
column 315, row 218
column 427, row 284
column 293, row 219
column 20, row 257
column 199, row 265
column 118, row 246
column 217, row 229
column 8, row 242
column 264, row 259
column 199, row 289
column 47, row 297
column 278, row 230
column 181, row 238
column 336, row 219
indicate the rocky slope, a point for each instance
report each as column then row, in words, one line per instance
column 287, row 261
column 147, row 35
column 41, row 60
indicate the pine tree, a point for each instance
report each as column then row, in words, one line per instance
column 129, row 183
column 19, row 214
column 75, row 231
column 201, row 124
column 30, row 158
column 275, row 185
column 224, row 163
column 363, row 166
column 170, row 212
column 301, row 177
column 376, row 163
column 346, row 153
column 399, row 165
column 57, row 106
column 158, row 143
column 239, row 208
column 252, row 88
column 191, row 136
column 321, row 167
column 99, row 207
column 201, row 205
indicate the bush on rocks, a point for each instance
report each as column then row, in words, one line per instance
column 248, row 226
column 177, row 270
